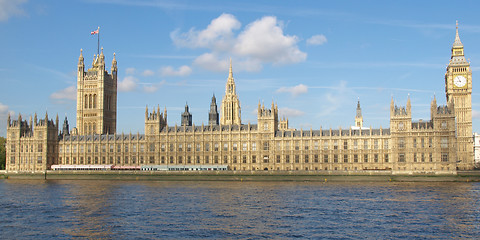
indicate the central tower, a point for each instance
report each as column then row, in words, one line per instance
column 96, row 97
column 458, row 89
column 230, row 114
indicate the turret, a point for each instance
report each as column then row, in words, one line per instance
column 409, row 106
column 114, row 65
column 400, row 116
column 165, row 115
column 65, row 130
column 186, row 117
column 358, row 116
column 433, row 107
column 81, row 64
column 102, row 58
column 213, row 114
column 267, row 118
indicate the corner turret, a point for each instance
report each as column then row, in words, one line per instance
column 358, row 116
column 213, row 114
column 186, row 117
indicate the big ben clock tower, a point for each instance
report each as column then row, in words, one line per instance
column 458, row 88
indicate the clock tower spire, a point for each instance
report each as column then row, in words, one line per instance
column 458, row 89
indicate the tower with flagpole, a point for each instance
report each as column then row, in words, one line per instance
column 96, row 94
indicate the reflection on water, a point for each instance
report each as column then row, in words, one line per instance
column 172, row 210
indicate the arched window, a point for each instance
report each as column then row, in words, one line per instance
column 86, row 101
column 94, row 128
column 94, row 100
column 90, row 101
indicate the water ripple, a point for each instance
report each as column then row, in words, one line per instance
column 238, row 210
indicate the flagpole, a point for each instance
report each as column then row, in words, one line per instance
column 98, row 40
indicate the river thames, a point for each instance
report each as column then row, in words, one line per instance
column 62, row 209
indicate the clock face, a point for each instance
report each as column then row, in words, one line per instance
column 459, row 81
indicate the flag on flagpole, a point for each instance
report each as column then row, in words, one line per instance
column 94, row 32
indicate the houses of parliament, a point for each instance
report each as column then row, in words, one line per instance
column 441, row 145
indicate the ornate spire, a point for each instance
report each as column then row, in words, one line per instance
column 359, row 110
column 101, row 57
column 358, row 116
column 114, row 64
column 230, row 104
column 66, row 127
column 213, row 114
column 80, row 59
column 409, row 105
column 186, row 117
column 214, row 99
column 230, row 72
column 392, row 106
column 457, row 42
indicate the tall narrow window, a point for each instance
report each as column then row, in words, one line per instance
column 90, row 101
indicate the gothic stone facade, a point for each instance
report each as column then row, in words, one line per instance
column 440, row 145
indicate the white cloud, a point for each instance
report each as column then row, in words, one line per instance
column 261, row 42
column 151, row 88
column 290, row 112
column 9, row 8
column 128, row 84
column 295, row 91
column 130, row 71
column 218, row 34
column 264, row 40
column 69, row 93
column 180, row 72
column 211, row 62
column 148, row 73
column 215, row 63
column 317, row 40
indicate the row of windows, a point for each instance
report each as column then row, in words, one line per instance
column 95, row 148
column 245, row 146
column 235, row 159
column 422, row 157
column 27, row 147
column 422, row 144
column 356, row 158
column 27, row 160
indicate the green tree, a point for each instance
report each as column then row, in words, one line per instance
column 3, row 153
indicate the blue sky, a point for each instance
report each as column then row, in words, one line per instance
column 313, row 58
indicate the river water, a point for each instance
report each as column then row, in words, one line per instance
column 62, row 209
